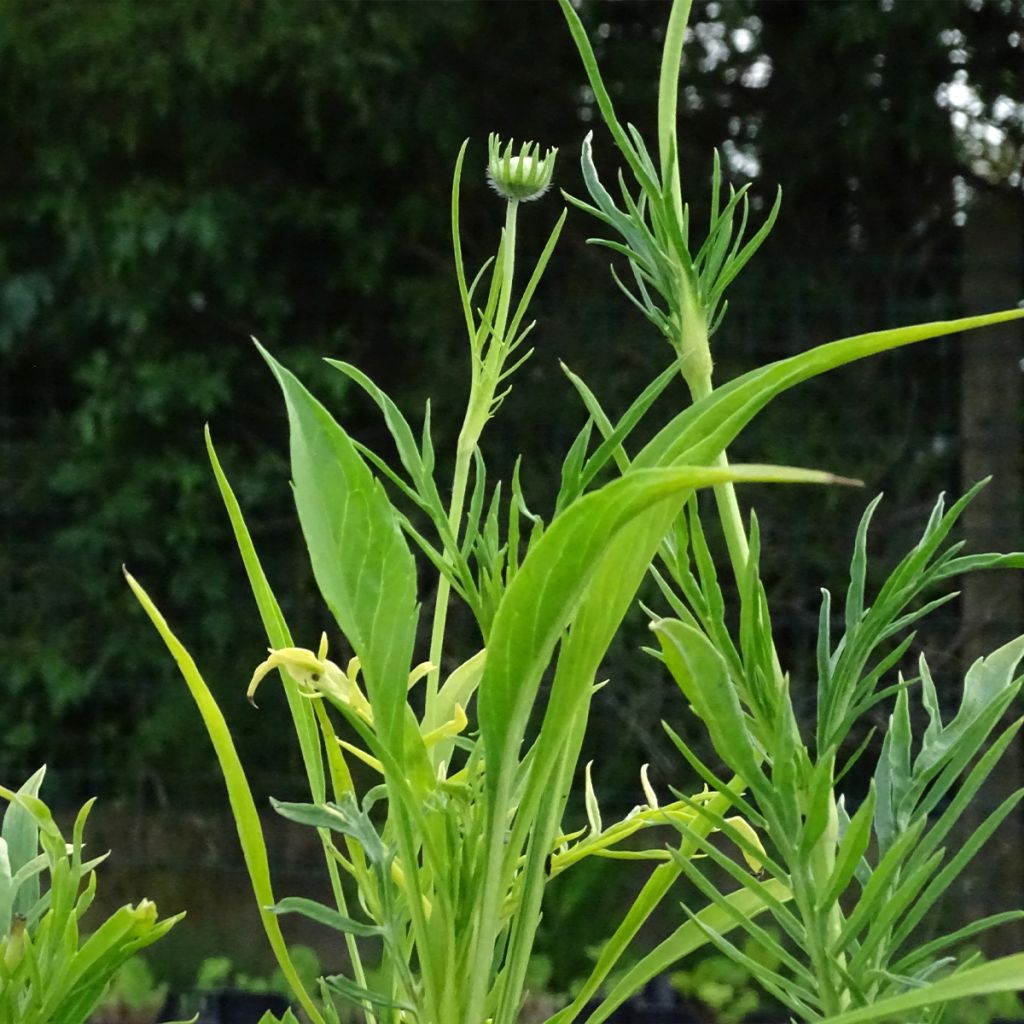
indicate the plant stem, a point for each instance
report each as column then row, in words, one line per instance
column 484, row 383
column 508, row 266
column 822, row 865
column 725, row 497
column 668, row 93
column 824, row 930
column 437, row 629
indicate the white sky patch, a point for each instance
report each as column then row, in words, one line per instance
column 982, row 130
column 759, row 73
column 741, row 161
column 743, row 40
column 711, row 35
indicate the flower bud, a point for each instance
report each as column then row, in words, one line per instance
column 519, row 178
column 143, row 917
column 12, row 946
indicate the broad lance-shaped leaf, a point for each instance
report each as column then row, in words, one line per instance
column 553, row 758
column 703, row 676
column 701, row 432
column 361, row 562
column 544, row 595
column 552, row 585
column 21, row 833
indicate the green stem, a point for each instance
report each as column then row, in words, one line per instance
column 822, row 865
column 488, row 907
column 481, row 397
column 444, row 588
column 668, row 93
column 823, row 931
column 728, row 504
column 358, row 971
column 731, row 517
column 508, row 266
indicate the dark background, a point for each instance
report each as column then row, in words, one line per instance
column 179, row 176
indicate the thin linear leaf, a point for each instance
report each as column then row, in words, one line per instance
column 243, row 807
column 1003, row 975
column 705, row 429
column 326, row 916
column 357, row 994
column 686, row 939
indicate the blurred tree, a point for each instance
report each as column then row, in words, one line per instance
column 183, row 175
column 180, row 176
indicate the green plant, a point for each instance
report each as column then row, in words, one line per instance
column 724, row 984
column 996, row 1006
column 133, row 995
column 451, row 851
column 220, row 972
column 50, row 972
column 860, row 882
column 451, row 854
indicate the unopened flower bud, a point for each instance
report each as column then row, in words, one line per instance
column 143, row 918
column 519, row 177
column 12, row 946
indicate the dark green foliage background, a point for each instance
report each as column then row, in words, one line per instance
column 181, row 175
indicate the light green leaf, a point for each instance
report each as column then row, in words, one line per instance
column 327, row 916
column 357, row 994
column 269, row 1018
column 702, row 431
column 988, row 682
column 360, row 558
column 243, row 807
column 275, row 627
column 703, row 676
column 595, row 596
column 7, row 890
column 686, row 939
column 546, row 592
column 21, row 832
column 1003, row 975
column 851, row 850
